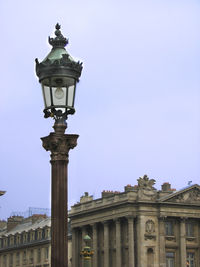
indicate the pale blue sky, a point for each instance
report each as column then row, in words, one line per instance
column 137, row 103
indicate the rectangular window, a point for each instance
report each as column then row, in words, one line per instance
column 11, row 260
column 189, row 229
column 18, row 240
column 190, row 259
column 39, row 235
column 169, row 228
column 32, row 236
column 31, row 256
column 5, row 242
column 170, row 261
column 17, row 259
column 39, row 255
column 4, row 261
column 24, row 257
column 46, row 253
column 25, row 238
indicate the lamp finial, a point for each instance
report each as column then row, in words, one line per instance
column 59, row 41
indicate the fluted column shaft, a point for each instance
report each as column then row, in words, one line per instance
column 162, row 242
column 183, row 257
column 95, row 256
column 59, row 144
column 131, row 252
column 74, row 248
column 106, row 244
column 118, row 243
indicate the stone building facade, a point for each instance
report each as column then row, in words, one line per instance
column 140, row 227
column 26, row 242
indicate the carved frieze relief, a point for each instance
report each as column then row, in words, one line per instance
column 150, row 230
column 193, row 196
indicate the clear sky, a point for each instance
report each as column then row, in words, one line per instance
column 137, row 103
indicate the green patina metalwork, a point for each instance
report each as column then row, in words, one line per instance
column 87, row 252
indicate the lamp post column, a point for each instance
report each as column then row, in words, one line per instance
column 59, row 144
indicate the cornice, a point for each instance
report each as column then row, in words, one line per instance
column 26, row 245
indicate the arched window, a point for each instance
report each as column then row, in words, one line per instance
column 150, row 257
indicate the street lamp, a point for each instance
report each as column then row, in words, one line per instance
column 58, row 74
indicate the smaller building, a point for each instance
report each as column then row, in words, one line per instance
column 2, row 193
column 26, row 242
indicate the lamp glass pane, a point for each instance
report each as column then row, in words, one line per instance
column 46, row 95
column 70, row 97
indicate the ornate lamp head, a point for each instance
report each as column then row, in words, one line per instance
column 58, row 74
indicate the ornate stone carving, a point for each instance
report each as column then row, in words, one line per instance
column 150, row 230
column 146, row 183
column 146, row 191
column 59, row 145
column 191, row 238
column 192, row 196
column 150, row 226
column 170, row 238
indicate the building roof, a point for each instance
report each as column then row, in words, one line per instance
column 27, row 225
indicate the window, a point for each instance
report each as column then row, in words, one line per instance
column 5, row 242
column 46, row 253
column 11, row 240
column 24, row 257
column 150, row 257
column 189, row 229
column 170, row 261
column 31, row 256
column 32, row 236
column 169, row 228
column 25, row 238
column 39, row 255
column 18, row 239
column 11, row 260
column 190, row 259
column 46, row 233
column 17, row 259
column 4, row 261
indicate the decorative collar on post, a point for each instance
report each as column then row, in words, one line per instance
column 87, row 252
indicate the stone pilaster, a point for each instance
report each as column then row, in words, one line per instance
column 106, row 244
column 131, row 252
column 182, row 243
column 118, row 243
column 74, row 248
column 141, row 261
column 162, row 251
column 95, row 256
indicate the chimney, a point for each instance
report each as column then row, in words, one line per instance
column 13, row 221
column 166, row 187
column 109, row 193
column 129, row 188
column 2, row 224
column 36, row 217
